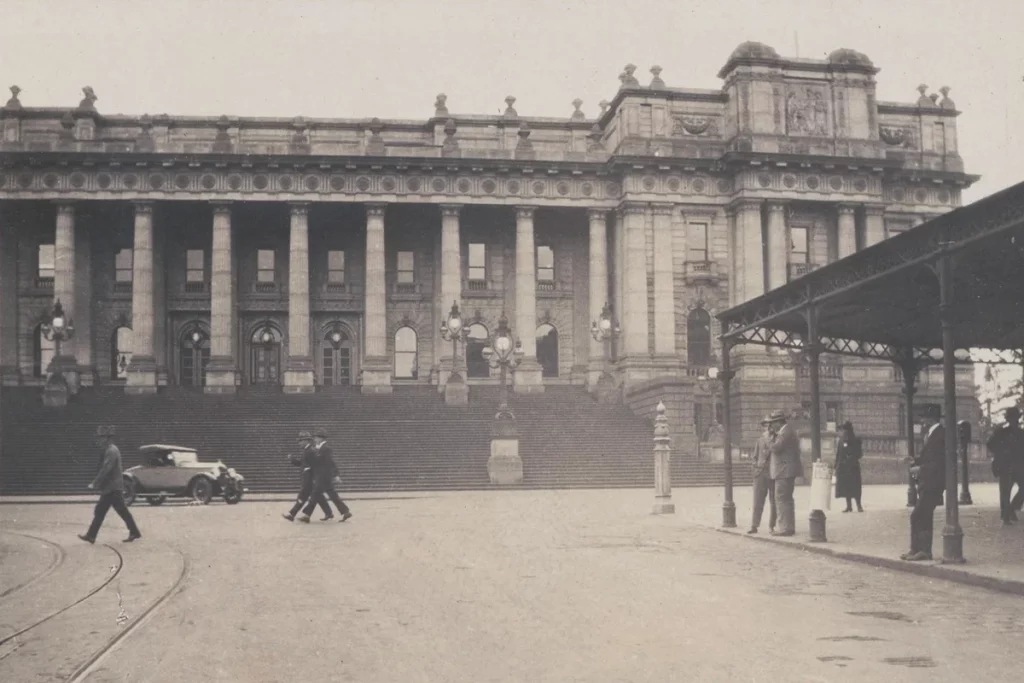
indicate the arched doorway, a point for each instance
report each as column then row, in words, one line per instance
column 336, row 357
column 406, row 365
column 120, row 352
column 547, row 350
column 193, row 355
column 477, row 339
column 265, row 355
column 698, row 338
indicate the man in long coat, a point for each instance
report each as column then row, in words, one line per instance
column 1007, row 448
column 306, row 460
column 930, row 469
column 785, row 468
column 110, row 484
column 764, row 487
column 324, row 474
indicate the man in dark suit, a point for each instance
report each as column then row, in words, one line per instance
column 1007, row 449
column 306, row 460
column 785, row 468
column 930, row 470
column 325, row 472
column 110, row 484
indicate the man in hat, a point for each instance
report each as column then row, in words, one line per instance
column 1007, row 449
column 930, row 470
column 764, row 487
column 306, row 460
column 784, row 469
column 110, row 484
column 324, row 474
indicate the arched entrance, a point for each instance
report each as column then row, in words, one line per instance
column 336, row 356
column 476, row 364
column 406, row 359
column 265, row 355
column 547, row 350
column 120, row 352
column 193, row 355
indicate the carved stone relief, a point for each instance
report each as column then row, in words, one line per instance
column 807, row 111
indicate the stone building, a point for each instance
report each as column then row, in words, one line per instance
column 232, row 252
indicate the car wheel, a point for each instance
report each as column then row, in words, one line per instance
column 156, row 500
column 202, row 490
column 233, row 494
column 129, row 490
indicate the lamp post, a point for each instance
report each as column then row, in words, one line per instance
column 605, row 329
column 456, row 392
column 58, row 328
column 707, row 382
column 503, row 351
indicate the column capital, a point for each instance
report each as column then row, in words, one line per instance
column 777, row 206
column 662, row 208
column 451, row 210
column 298, row 208
column 847, row 209
column 597, row 214
column 376, row 210
column 874, row 209
column 142, row 207
column 525, row 212
column 745, row 204
column 221, row 207
column 632, row 208
column 65, row 207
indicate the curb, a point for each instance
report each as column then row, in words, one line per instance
column 935, row 571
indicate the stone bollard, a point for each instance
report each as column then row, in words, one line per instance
column 663, row 504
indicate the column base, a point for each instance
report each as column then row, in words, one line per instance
column 299, row 378
column 528, row 377
column 816, row 527
column 141, row 377
column 10, row 375
column 163, row 377
column 456, row 391
column 68, row 367
column 56, row 392
column 86, row 376
column 505, row 467
column 953, row 545
column 376, row 376
column 728, row 515
column 221, row 376
column 663, row 506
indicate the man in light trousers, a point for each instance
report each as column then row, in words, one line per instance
column 785, row 468
column 764, row 487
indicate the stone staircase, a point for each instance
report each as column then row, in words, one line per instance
column 408, row 440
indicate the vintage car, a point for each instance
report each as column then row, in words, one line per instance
column 176, row 471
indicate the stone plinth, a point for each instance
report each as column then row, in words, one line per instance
column 376, row 376
column 528, row 377
column 298, row 378
column 66, row 366
column 456, row 391
column 55, row 394
column 141, row 377
column 505, row 467
column 220, row 375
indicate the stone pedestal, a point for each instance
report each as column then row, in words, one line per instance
column 528, row 377
column 141, row 376
column 376, row 376
column 56, row 392
column 606, row 389
column 67, row 367
column 505, row 467
column 220, row 375
column 298, row 378
column 663, row 504
column 456, row 391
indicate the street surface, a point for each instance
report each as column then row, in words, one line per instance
column 502, row 586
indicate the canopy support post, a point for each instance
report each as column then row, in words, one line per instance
column 952, row 534
column 728, row 507
column 910, row 369
column 816, row 522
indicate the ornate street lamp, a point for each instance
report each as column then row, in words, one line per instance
column 707, row 382
column 604, row 330
column 505, row 352
column 58, row 328
column 453, row 329
column 336, row 336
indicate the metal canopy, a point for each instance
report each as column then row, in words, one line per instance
column 883, row 302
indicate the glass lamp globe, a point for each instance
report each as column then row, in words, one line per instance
column 266, row 337
column 196, row 337
column 454, row 324
column 606, row 324
column 503, row 345
column 712, row 373
column 58, row 322
column 336, row 337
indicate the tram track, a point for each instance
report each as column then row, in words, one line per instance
column 57, row 554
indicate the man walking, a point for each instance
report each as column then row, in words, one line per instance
column 306, row 460
column 930, row 469
column 785, row 468
column 324, row 474
column 764, row 487
column 1007, row 449
column 110, row 484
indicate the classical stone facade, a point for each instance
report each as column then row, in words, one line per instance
column 227, row 252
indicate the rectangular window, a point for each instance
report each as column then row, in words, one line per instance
column 336, row 267
column 195, row 265
column 477, row 261
column 46, row 261
column 697, row 242
column 832, row 416
column 545, row 264
column 798, row 244
column 406, row 267
column 123, row 266
column 265, row 265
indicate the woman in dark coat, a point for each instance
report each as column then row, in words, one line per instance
column 848, row 454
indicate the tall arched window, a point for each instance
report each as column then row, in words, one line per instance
column 43, row 351
column 337, row 357
column 265, row 345
column 120, row 352
column 698, row 338
column 476, row 364
column 193, row 356
column 547, row 350
column 405, row 354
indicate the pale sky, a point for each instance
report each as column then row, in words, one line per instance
column 364, row 58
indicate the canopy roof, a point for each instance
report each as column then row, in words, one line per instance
column 883, row 301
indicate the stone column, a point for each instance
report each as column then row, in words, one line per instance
column 141, row 378
column 598, row 290
column 451, row 278
column 874, row 224
column 749, row 233
column 64, row 289
column 83, row 307
column 664, row 287
column 634, row 323
column 298, row 375
column 222, row 368
column 846, row 230
column 778, row 258
column 160, row 302
column 9, row 372
column 527, row 377
column 376, row 364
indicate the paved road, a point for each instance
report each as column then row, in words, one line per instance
column 532, row 586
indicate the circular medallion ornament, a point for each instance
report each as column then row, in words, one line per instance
column 260, row 182
column 920, row 195
column 489, row 186
column 513, row 187
column 130, row 181
column 50, row 180
column 285, row 183
column 103, row 181
column 388, row 184
column 156, row 181
column 860, row 185
column 725, row 186
column 789, row 181
column 898, row 194
column 312, row 183
column 181, row 181
column 208, row 182
column 362, row 183
column 813, row 182
column 648, row 183
column 337, row 183
column 613, row 189
column 25, row 180
column 587, row 189
column 438, row 184
column 538, row 187
column 943, row 196
column 463, row 185
column 413, row 184
column 836, row 183
column 673, row 184
column 764, row 180
column 235, row 182
column 562, row 188
column 699, row 185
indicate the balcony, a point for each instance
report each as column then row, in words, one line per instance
column 122, row 288
column 406, row 291
column 44, row 284
column 478, row 289
column 195, row 288
column 702, row 272
column 266, row 288
column 800, row 269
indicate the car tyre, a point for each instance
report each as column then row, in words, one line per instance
column 202, row 490
column 129, row 490
column 233, row 495
column 156, row 500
